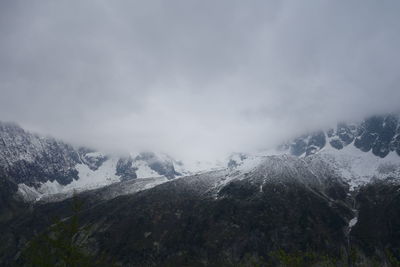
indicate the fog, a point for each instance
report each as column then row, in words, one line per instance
column 195, row 79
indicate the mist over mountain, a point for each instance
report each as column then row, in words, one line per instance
column 200, row 133
column 195, row 80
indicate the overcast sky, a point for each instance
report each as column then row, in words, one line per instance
column 196, row 79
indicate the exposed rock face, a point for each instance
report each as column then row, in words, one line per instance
column 381, row 134
column 299, row 146
column 128, row 167
column 342, row 136
column 125, row 169
column 43, row 166
column 236, row 159
column 30, row 159
column 162, row 166
column 91, row 158
column 308, row 144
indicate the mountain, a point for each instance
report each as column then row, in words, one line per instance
column 360, row 152
column 329, row 198
column 233, row 216
column 42, row 166
column 379, row 134
column 32, row 160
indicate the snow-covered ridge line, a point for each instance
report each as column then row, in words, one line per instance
column 359, row 153
column 41, row 166
column 354, row 166
column 88, row 179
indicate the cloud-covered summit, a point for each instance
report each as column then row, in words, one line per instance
column 195, row 78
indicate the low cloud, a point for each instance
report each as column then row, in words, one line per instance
column 196, row 79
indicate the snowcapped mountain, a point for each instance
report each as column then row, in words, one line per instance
column 42, row 166
column 259, row 205
column 359, row 153
column 379, row 134
column 334, row 193
column 32, row 160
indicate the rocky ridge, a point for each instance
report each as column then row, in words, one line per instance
column 43, row 165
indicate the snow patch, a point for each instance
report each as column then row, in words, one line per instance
column 94, row 155
column 88, row 179
column 353, row 222
column 358, row 167
column 143, row 170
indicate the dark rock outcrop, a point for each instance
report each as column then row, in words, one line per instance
column 381, row 134
column 125, row 169
column 164, row 167
column 31, row 159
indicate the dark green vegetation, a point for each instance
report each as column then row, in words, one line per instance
column 180, row 224
column 61, row 245
column 379, row 217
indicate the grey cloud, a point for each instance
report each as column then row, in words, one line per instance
column 195, row 78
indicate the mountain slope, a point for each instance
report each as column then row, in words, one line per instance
column 32, row 160
column 360, row 153
column 43, row 166
column 330, row 197
column 379, row 134
column 234, row 216
column 218, row 216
